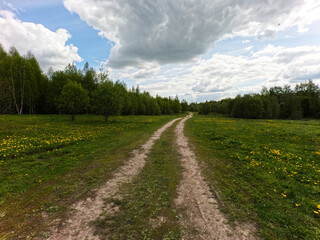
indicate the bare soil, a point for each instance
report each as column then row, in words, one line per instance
column 84, row 212
column 202, row 218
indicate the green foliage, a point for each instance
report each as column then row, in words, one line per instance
column 205, row 108
column 247, row 107
column 193, row 107
column 73, row 73
column 277, row 102
column 25, row 89
column 264, row 170
column 184, row 106
column 6, row 103
column 291, row 107
column 73, row 99
column 22, row 84
column 109, row 99
column 176, row 107
column 89, row 80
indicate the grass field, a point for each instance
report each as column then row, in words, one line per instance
column 264, row 170
column 49, row 162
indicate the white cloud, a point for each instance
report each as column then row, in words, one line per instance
column 271, row 65
column 223, row 75
column 178, row 31
column 267, row 35
column 148, row 71
column 49, row 47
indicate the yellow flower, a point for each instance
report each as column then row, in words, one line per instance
column 318, row 206
column 283, row 195
column 316, row 212
column 298, row 204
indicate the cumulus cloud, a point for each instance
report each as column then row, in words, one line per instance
column 267, row 35
column 148, row 71
column 49, row 47
column 265, row 67
column 222, row 75
column 178, row 31
column 206, row 86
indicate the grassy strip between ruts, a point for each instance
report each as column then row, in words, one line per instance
column 265, row 170
column 58, row 163
column 147, row 210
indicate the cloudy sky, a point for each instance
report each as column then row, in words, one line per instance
column 197, row 49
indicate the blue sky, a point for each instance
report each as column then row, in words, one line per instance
column 196, row 49
column 53, row 15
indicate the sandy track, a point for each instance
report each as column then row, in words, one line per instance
column 203, row 218
column 77, row 226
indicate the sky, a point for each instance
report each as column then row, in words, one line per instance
column 197, row 49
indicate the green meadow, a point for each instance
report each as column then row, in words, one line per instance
column 267, row 171
column 47, row 162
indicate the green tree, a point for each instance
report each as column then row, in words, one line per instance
column 225, row 106
column 108, row 100
column 153, row 107
column 184, row 106
column 6, row 101
column 89, row 80
column 253, row 106
column 73, row 99
column 176, row 106
column 238, row 107
column 56, row 83
column 18, row 79
column 193, row 107
column 36, row 86
column 310, row 98
column 73, row 73
column 291, row 107
column 205, row 108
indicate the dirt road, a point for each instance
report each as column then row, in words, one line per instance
column 202, row 219
column 77, row 227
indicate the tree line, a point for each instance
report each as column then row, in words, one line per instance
column 274, row 103
column 24, row 88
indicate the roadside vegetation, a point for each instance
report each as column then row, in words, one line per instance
column 274, row 103
column 48, row 162
column 146, row 205
column 264, row 170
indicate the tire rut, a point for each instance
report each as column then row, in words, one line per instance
column 202, row 218
column 84, row 212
